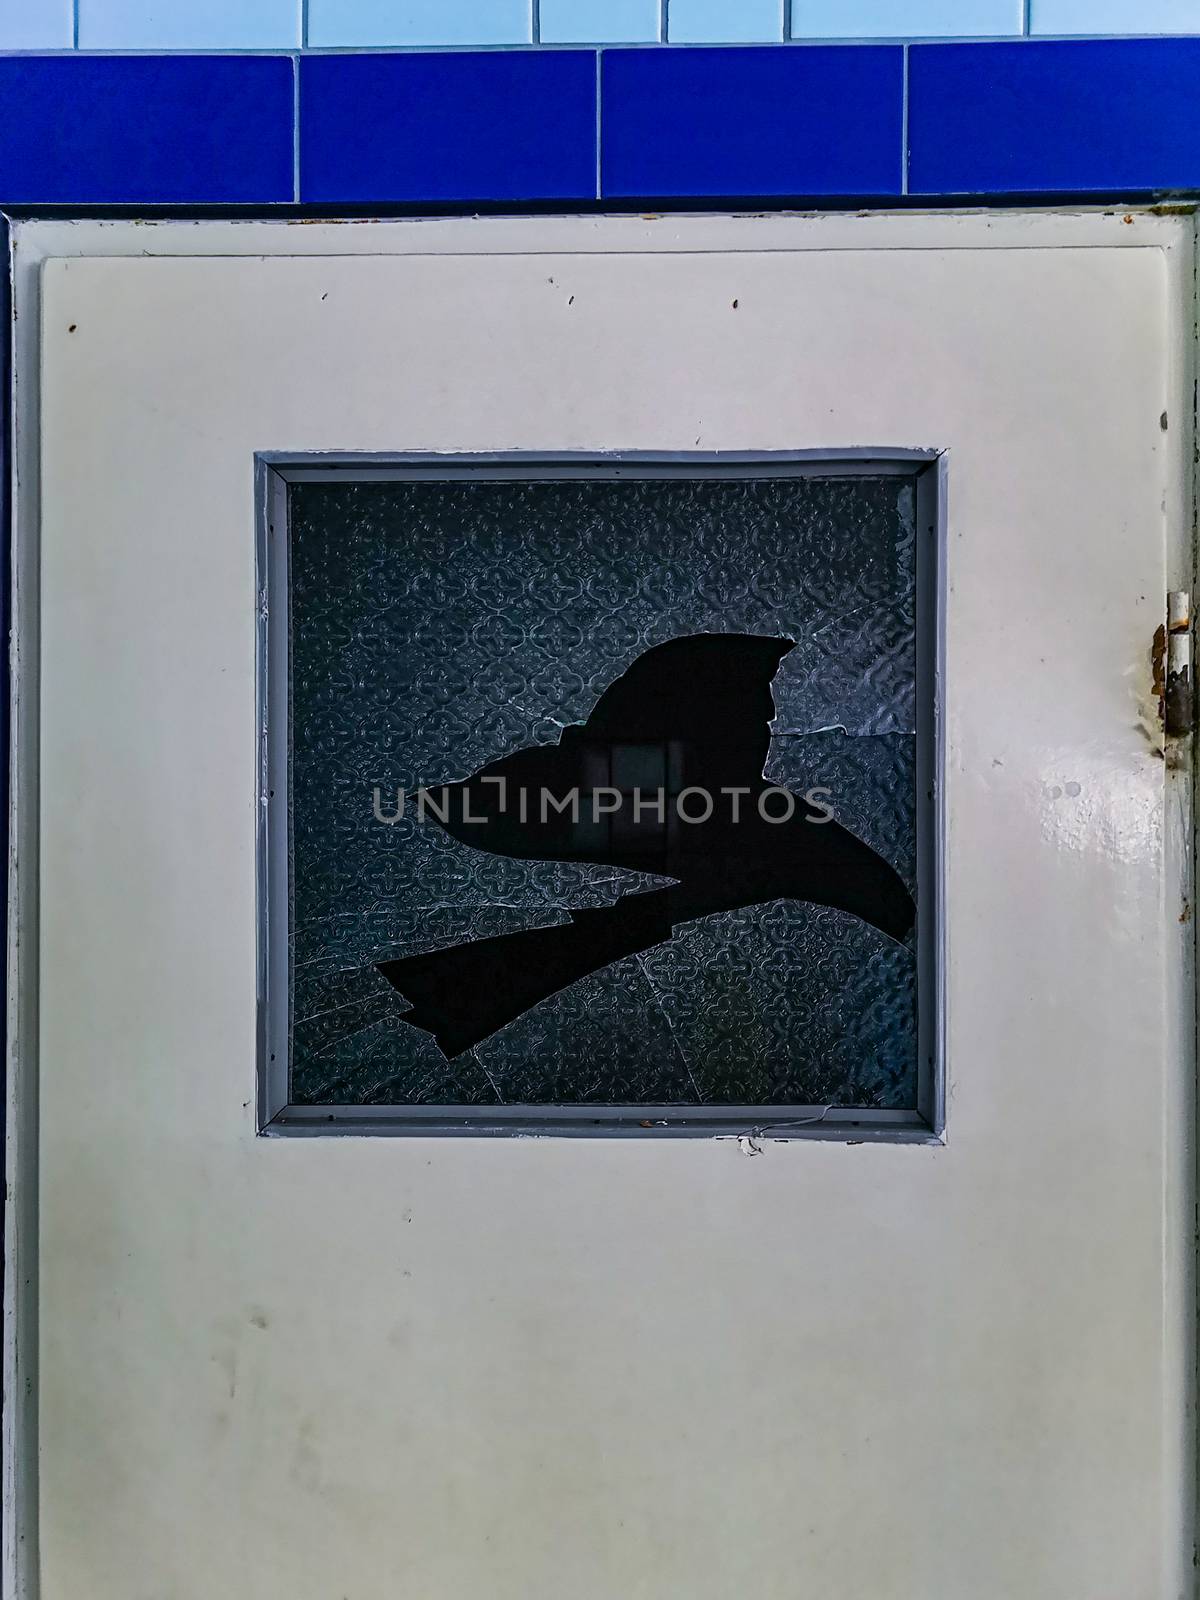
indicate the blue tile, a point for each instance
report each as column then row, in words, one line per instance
column 724, row 21
column 194, row 25
column 170, row 130
column 1033, row 117
column 598, row 21
column 1115, row 16
column 419, row 22
column 495, row 125
column 36, row 24
column 905, row 19
column 819, row 120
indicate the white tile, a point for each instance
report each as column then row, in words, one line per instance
column 1115, row 16
column 189, row 24
column 905, row 19
column 724, row 21
column 36, row 24
column 419, row 22
column 599, row 21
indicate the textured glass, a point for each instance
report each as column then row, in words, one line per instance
column 438, row 626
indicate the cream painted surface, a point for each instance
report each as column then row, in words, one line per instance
column 522, row 1370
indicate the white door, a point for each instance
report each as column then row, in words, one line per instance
column 774, row 1334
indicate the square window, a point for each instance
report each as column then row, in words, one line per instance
column 599, row 797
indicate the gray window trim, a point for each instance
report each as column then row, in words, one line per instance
column 277, row 1116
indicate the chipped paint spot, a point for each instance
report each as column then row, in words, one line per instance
column 1149, row 691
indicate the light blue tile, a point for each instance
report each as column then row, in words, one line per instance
column 724, row 21
column 1115, row 16
column 599, row 21
column 905, row 19
column 35, row 24
column 419, row 22
column 189, row 24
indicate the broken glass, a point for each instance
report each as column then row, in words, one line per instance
column 461, row 649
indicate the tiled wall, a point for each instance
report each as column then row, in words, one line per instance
column 340, row 24
column 861, row 121
column 430, row 102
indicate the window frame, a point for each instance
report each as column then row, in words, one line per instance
column 278, row 1115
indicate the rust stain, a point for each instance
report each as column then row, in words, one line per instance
column 1186, row 914
column 1158, row 665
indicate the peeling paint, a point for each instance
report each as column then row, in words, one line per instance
column 1158, row 663
column 1150, row 676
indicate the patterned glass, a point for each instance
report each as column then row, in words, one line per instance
column 438, row 626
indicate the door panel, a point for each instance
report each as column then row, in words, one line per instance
column 454, row 1367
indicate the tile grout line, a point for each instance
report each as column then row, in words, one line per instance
column 804, row 41
column 904, row 128
column 296, row 128
column 599, row 169
column 662, row 21
column 304, row 24
column 535, row 21
column 1026, row 18
column 74, row 24
column 786, row 20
